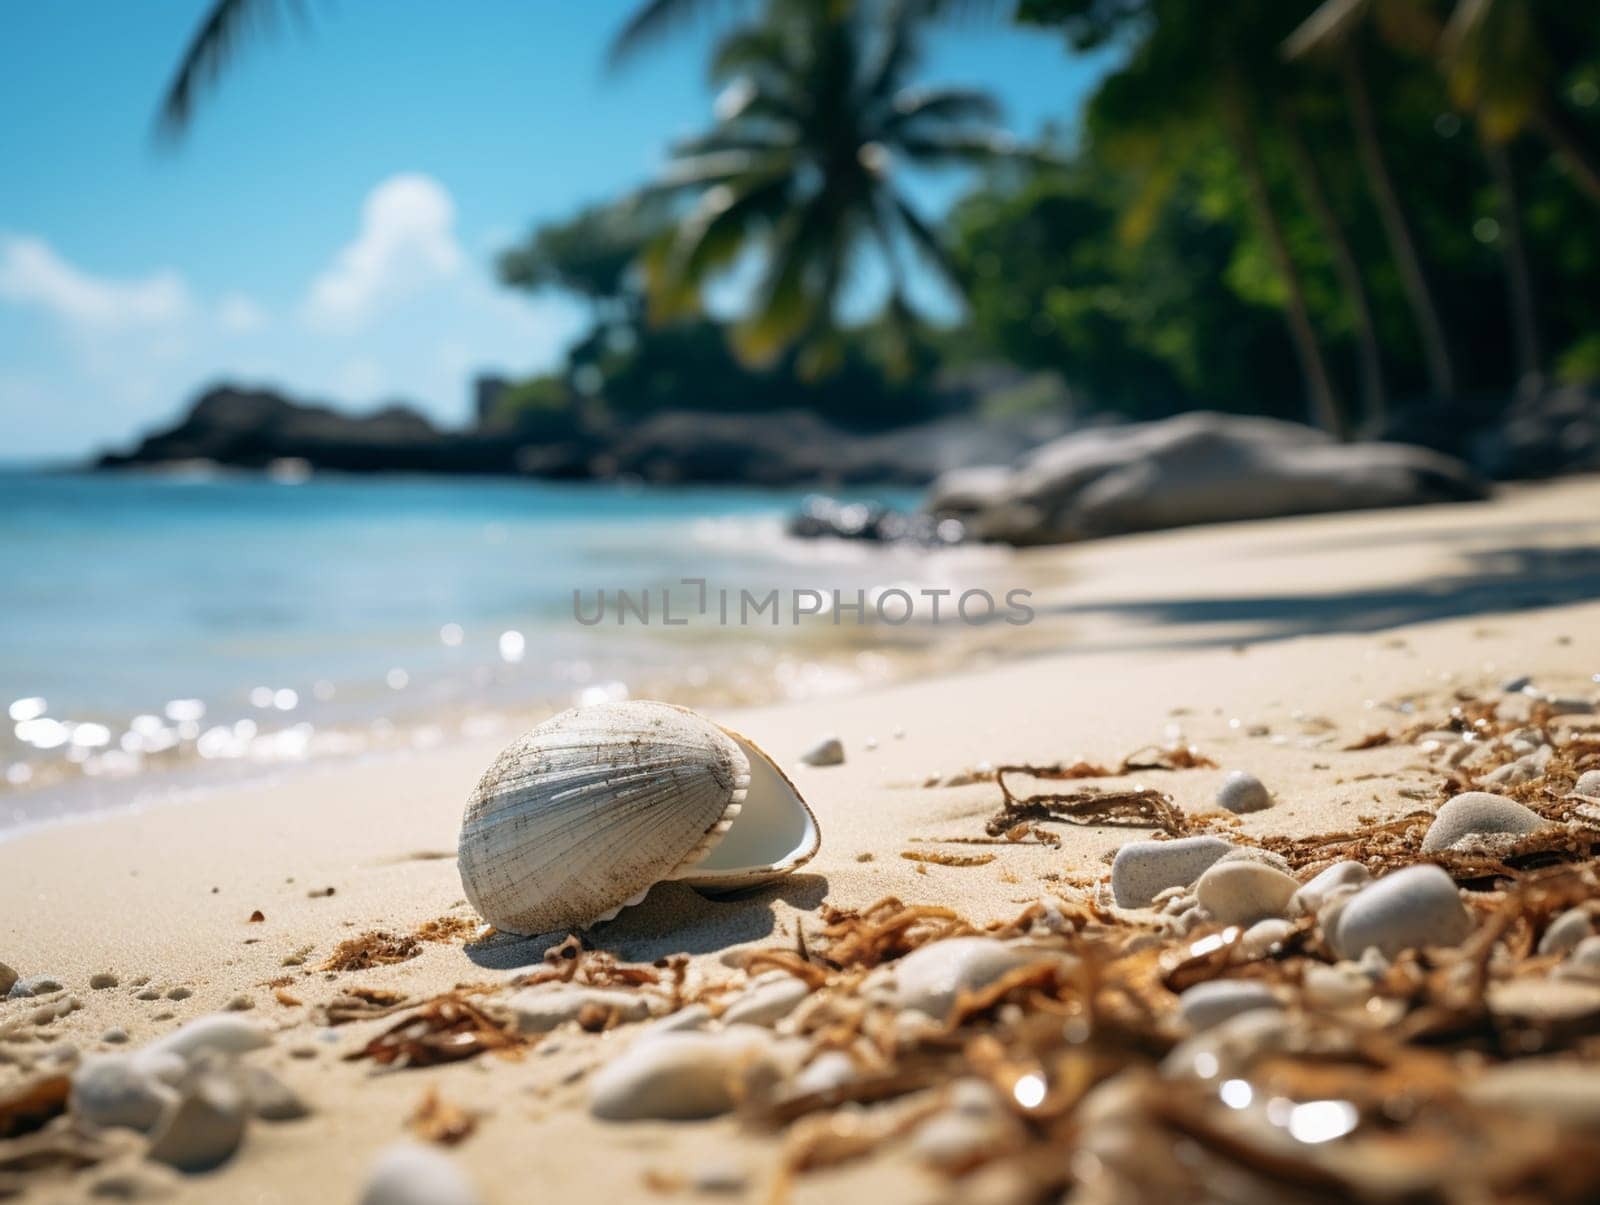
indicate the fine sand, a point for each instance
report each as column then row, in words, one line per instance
column 1269, row 646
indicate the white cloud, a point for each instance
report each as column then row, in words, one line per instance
column 407, row 241
column 238, row 315
column 33, row 274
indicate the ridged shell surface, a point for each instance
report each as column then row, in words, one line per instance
column 586, row 812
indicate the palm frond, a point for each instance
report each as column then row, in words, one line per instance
column 958, row 148
column 214, row 45
column 954, row 105
column 1327, row 28
column 928, row 243
column 654, row 21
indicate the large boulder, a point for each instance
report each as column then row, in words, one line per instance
column 1196, row 468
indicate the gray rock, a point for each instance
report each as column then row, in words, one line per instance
column 1338, row 877
column 119, row 1090
column 1588, row 784
column 1516, row 685
column 929, row 979
column 1143, row 869
column 1478, row 812
column 1566, row 931
column 1411, row 908
column 409, row 1173
column 1215, row 1001
column 116, row 1035
column 34, row 985
column 1240, row 893
column 270, row 1098
column 8, row 979
column 1569, row 705
column 767, row 1003
column 829, row 751
column 1243, row 792
column 102, row 980
column 206, row 1127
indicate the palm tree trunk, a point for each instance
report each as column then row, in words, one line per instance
column 1553, row 128
column 1519, row 275
column 1325, row 409
column 1374, row 391
column 1397, row 229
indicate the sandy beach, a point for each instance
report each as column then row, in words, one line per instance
column 1267, row 647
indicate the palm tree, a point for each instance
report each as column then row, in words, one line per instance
column 1337, row 29
column 800, row 169
column 214, row 44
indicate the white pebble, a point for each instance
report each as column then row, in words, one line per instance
column 411, row 1174
column 1566, row 931
column 954, row 1139
column 1338, row 986
column 542, row 1008
column 1314, row 894
column 1265, row 936
column 767, row 1003
column 829, row 1071
column 1588, row 784
column 1243, row 792
column 1478, row 812
column 829, row 751
column 1144, row 868
column 119, row 1090
column 1417, row 906
column 218, row 1033
column 206, row 1127
column 1216, row 1000
column 1549, row 1089
column 928, row 979
column 1583, row 962
column 677, row 1076
column 1240, row 893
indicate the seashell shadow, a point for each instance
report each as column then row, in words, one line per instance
column 673, row 919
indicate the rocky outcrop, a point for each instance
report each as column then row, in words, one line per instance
column 1196, row 468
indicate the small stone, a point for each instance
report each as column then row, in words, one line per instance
column 411, row 1174
column 1478, row 812
column 8, row 979
column 1240, row 893
column 1250, row 853
column 102, row 980
column 1144, row 868
column 217, row 1033
column 1415, row 907
column 178, row 993
column 149, row 993
column 719, row 1177
column 1583, row 962
column 928, row 979
column 953, row 1140
column 1566, row 931
column 1551, row 1089
column 767, row 1003
column 34, row 985
column 1588, row 784
column 116, row 1035
column 543, row 1008
column 1569, row 705
column 829, row 751
column 270, row 1098
column 119, row 1090
column 240, row 1003
column 689, row 1017
column 1265, row 936
column 1516, row 685
column 828, row 1072
column 1216, row 1000
column 677, row 1076
column 1314, row 894
column 206, row 1127
column 1243, row 792
column 1338, row 986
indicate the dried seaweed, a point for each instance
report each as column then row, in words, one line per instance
column 946, row 859
column 374, row 948
column 438, row 1120
column 446, row 1029
column 362, row 1004
column 1089, row 806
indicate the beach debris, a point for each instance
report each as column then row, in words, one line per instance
column 409, row 1173
column 941, row 858
column 1087, row 806
column 34, row 985
column 1142, row 869
column 1475, row 813
column 930, row 978
column 1243, row 892
column 257, row 917
column 361, row 1004
column 541, row 846
column 375, row 948
column 102, row 980
column 445, row 1029
column 1211, row 1003
column 27, row 1106
column 1408, row 909
column 206, row 1127
column 767, row 1001
column 1566, row 931
column 1243, row 792
column 441, row 1121
column 680, row 1076
column 543, row 1008
column 829, row 751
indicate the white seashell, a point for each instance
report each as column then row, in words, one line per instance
column 1240, row 893
column 583, row 814
column 1475, row 812
column 1215, row 1001
column 1142, row 869
column 678, row 1076
column 1243, row 792
column 411, row 1174
column 767, row 1003
column 929, row 979
column 1417, row 906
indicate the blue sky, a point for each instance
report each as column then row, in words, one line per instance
column 330, row 223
